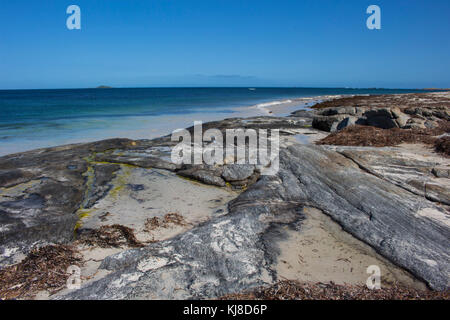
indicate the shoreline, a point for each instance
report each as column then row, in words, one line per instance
column 151, row 127
column 144, row 113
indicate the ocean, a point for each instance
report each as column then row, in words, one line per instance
column 31, row 119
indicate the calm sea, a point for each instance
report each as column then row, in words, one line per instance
column 32, row 119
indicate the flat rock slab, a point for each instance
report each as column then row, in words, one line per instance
column 408, row 229
column 412, row 167
column 239, row 251
column 40, row 192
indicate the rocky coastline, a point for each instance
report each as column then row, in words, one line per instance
column 204, row 232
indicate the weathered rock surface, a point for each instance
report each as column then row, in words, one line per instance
column 410, row 230
column 418, row 172
column 395, row 111
column 205, row 174
column 395, row 201
column 337, row 118
column 43, row 192
column 236, row 251
column 236, row 172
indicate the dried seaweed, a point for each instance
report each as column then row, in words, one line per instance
column 442, row 145
column 370, row 136
column 293, row 290
column 110, row 236
column 169, row 219
column 44, row 268
column 418, row 100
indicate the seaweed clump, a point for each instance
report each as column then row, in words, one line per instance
column 44, row 268
column 172, row 218
column 110, row 236
column 294, row 290
column 442, row 145
column 368, row 136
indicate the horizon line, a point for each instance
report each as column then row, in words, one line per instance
column 106, row 87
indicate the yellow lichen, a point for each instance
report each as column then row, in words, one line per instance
column 121, row 180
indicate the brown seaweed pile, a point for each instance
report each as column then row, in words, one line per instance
column 44, row 268
column 293, row 290
column 171, row 218
column 110, row 236
column 442, row 145
column 368, row 136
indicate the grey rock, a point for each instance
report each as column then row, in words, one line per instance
column 68, row 178
column 136, row 159
column 337, row 110
column 402, row 120
column 338, row 118
column 303, row 114
column 325, row 123
column 380, row 118
column 442, row 114
column 204, row 176
column 430, row 124
column 381, row 214
column 396, row 167
column 237, row 172
column 228, row 254
column 441, row 172
column 347, row 122
column 42, row 190
column 235, row 252
column 415, row 123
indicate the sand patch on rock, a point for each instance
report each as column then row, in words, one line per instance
column 141, row 194
column 322, row 252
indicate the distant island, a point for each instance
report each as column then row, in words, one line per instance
column 103, row 87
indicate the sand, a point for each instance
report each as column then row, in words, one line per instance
column 284, row 108
column 322, row 252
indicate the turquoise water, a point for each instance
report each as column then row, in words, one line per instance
column 32, row 119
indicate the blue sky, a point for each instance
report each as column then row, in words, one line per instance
column 133, row 43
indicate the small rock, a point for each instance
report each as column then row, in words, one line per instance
column 350, row 121
column 325, row 123
column 380, row 118
column 237, row 172
column 441, row 172
column 204, row 176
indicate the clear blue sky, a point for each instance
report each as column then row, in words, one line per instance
column 130, row 43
